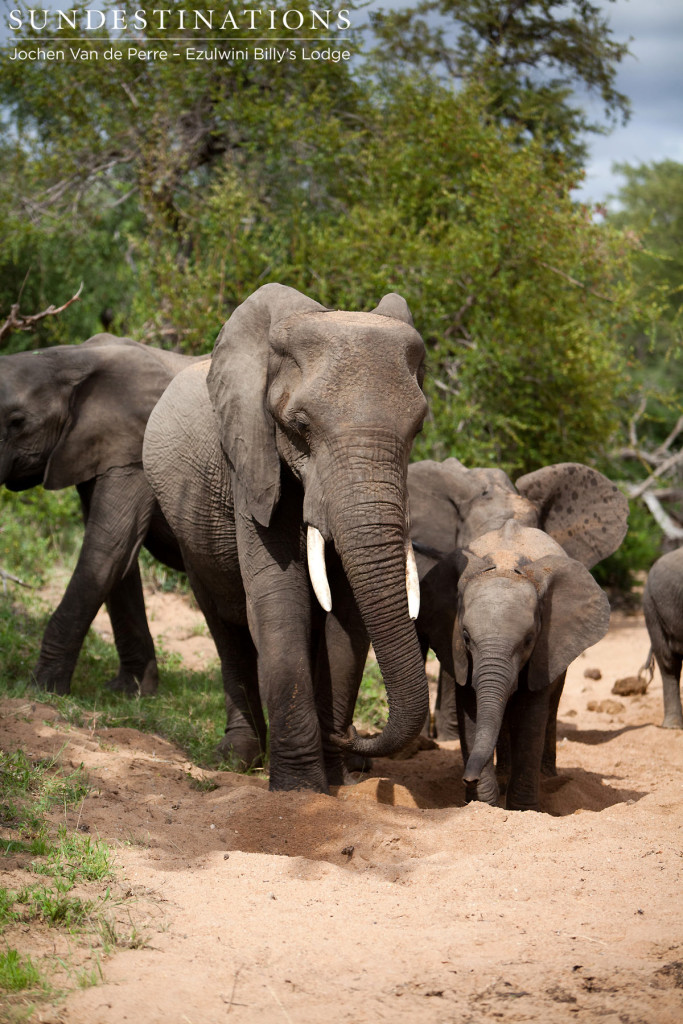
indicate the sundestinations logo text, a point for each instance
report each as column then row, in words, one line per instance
column 119, row 20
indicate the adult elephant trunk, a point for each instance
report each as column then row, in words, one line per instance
column 494, row 679
column 366, row 514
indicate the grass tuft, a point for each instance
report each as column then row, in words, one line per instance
column 18, row 972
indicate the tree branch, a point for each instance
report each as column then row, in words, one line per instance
column 18, row 322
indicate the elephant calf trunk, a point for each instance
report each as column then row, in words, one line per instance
column 475, row 766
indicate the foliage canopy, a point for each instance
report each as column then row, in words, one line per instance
column 174, row 192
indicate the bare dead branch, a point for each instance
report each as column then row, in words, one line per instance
column 640, row 489
column 662, row 518
column 4, row 575
column 632, row 433
column 18, row 322
column 665, row 445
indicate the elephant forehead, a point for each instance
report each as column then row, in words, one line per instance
column 504, row 560
column 313, row 328
column 517, row 540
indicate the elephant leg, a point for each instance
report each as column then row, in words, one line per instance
column 673, row 712
column 485, row 788
column 503, row 756
column 549, row 758
column 528, row 713
column 273, row 564
column 445, row 713
column 119, row 508
column 138, row 672
column 245, row 737
column 668, row 662
column 341, row 656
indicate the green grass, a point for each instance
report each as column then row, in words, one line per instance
column 18, row 972
column 372, row 709
column 55, row 861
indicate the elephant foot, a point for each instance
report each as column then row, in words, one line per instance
column 51, row 681
column 297, row 772
column 673, row 721
column 241, row 749
column 129, row 683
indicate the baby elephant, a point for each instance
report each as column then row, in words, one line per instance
column 663, row 607
column 506, row 616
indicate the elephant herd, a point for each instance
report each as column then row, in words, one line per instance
column 276, row 473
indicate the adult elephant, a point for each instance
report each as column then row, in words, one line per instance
column 663, row 608
column 451, row 505
column 293, row 450
column 75, row 415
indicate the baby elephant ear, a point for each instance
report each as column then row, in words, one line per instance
column 574, row 615
column 395, row 305
column 237, row 386
column 580, row 508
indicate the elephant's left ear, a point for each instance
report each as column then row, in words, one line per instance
column 574, row 615
column 579, row 508
column 395, row 305
column 237, row 383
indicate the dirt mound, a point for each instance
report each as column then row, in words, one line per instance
column 393, row 900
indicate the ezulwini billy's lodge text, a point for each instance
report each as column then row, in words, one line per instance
column 189, row 53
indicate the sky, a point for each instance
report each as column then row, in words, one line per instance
column 653, row 80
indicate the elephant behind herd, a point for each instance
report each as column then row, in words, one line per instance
column 276, row 474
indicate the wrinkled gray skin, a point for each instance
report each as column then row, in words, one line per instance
column 663, row 607
column 523, row 597
column 314, row 414
column 506, row 617
column 75, row 415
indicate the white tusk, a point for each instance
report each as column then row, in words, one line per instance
column 315, row 546
column 412, row 582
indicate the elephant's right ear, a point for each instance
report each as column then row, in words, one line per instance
column 435, row 489
column 395, row 305
column 579, row 508
column 237, row 383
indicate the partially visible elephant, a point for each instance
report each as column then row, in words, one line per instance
column 663, row 607
column 75, row 415
column 506, row 616
column 451, row 505
column 291, row 452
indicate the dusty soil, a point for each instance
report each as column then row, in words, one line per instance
column 391, row 900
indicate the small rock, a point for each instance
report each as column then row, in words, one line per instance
column 348, row 851
column 592, row 673
column 629, row 685
column 606, row 707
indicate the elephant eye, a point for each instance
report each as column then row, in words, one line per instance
column 16, row 421
column 466, row 637
column 301, row 425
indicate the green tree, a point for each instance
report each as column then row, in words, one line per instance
column 519, row 294
column 118, row 158
column 533, row 55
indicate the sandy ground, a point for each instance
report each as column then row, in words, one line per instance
column 391, row 900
